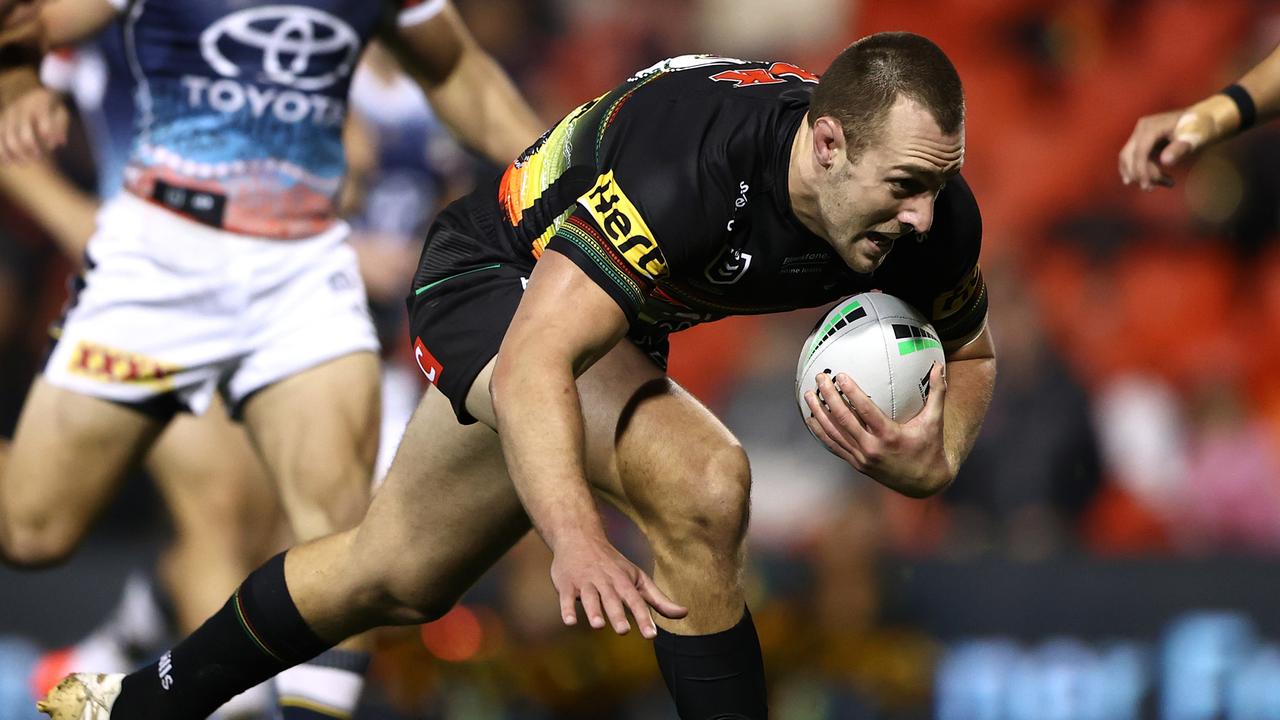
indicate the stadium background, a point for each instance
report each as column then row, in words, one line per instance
column 1110, row 548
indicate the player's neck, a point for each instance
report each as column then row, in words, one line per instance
column 802, row 175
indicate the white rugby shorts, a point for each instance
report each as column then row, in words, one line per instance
column 172, row 306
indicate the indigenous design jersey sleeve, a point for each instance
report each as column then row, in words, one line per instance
column 244, row 102
column 670, row 192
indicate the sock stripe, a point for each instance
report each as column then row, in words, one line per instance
column 249, row 629
column 302, row 703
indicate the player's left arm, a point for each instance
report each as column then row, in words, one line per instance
column 467, row 89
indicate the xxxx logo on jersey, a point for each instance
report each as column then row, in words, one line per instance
column 623, row 225
column 111, row 365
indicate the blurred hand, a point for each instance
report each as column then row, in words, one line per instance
column 908, row 457
column 608, row 585
column 1162, row 141
column 33, row 124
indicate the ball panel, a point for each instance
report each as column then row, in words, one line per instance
column 880, row 341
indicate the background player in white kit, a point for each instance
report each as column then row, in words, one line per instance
column 223, row 267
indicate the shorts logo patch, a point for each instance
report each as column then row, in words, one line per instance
column 427, row 362
column 120, row 366
column 622, row 224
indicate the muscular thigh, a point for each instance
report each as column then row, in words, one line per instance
column 213, row 482
column 645, row 435
column 447, row 510
column 317, row 433
column 68, row 455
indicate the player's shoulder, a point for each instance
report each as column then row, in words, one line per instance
column 957, row 216
column 715, row 77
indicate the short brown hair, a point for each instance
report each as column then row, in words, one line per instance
column 867, row 77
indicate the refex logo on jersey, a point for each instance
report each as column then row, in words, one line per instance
column 302, row 47
column 111, row 365
column 776, row 73
column 427, row 362
column 624, row 226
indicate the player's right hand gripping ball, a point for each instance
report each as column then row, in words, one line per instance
column 880, row 341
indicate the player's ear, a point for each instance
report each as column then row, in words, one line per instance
column 828, row 141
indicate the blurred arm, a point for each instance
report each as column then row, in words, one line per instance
column 33, row 120
column 466, row 88
column 1163, row 140
column 65, row 213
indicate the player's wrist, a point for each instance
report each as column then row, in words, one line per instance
column 1224, row 116
column 573, row 532
column 1246, row 109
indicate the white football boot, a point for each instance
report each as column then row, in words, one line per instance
column 82, row 696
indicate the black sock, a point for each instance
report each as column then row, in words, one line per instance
column 258, row 633
column 715, row 677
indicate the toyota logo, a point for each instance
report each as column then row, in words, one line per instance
column 291, row 38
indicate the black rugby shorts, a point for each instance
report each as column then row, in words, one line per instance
column 463, row 297
column 466, row 289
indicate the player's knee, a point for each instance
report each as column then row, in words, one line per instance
column 34, row 542
column 324, row 502
column 403, row 593
column 713, row 504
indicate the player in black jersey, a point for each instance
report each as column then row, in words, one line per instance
column 699, row 188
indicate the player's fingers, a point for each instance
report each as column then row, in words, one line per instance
column 639, row 609
column 6, row 155
column 1126, row 169
column 836, row 404
column 611, row 599
column 590, row 598
column 658, row 600
column 871, row 415
column 844, row 438
column 825, row 438
column 568, row 608
column 9, row 123
column 836, row 440
column 25, row 137
column 1135, row 151
column 1175, row 152
column 51, row 127
column 933, row 404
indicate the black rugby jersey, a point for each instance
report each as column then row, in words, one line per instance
column 670, row 191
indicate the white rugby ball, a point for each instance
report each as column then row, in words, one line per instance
column 880, row 341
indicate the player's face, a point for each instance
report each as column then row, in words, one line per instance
column 888, row 190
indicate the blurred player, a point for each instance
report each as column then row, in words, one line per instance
column 223, row 268
column 224, row 511
column 698, row 188
column 1164, row 140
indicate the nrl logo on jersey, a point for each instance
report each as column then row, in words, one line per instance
column 728, row 267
